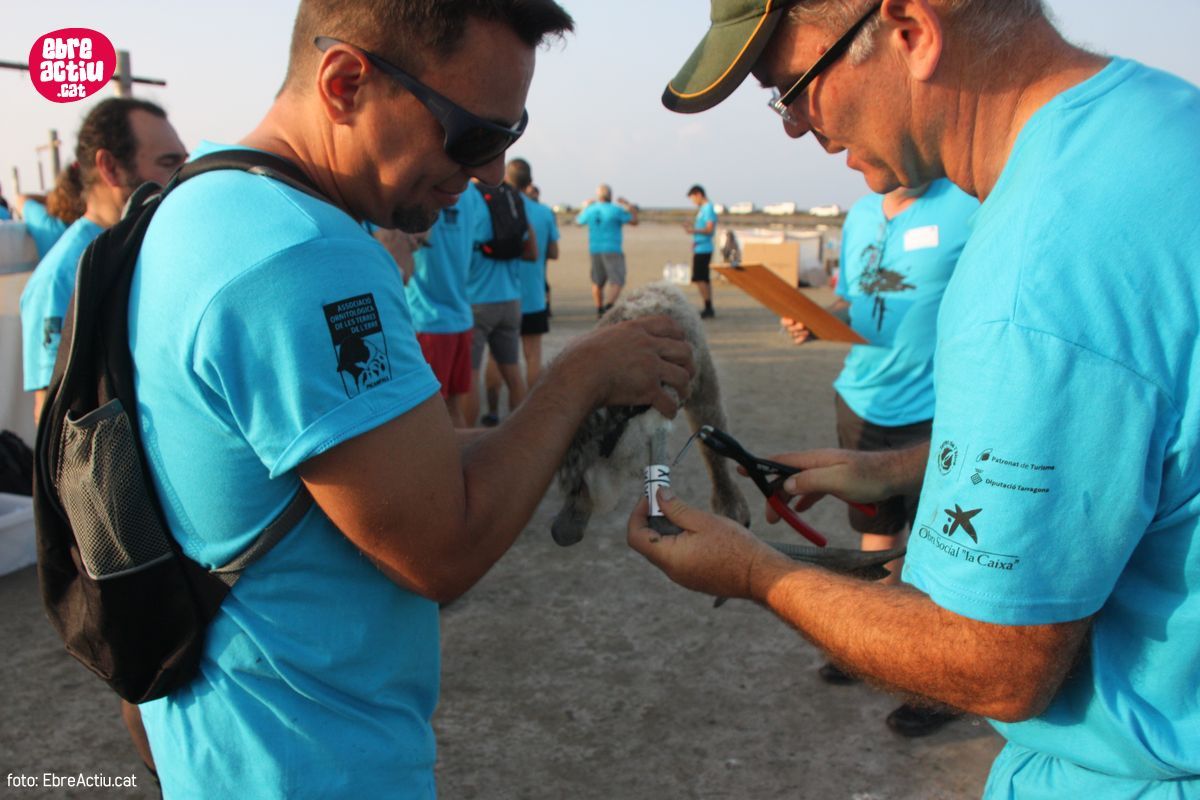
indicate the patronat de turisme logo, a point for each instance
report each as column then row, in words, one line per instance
column 70, row 64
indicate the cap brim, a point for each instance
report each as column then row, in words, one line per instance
column 721, row 62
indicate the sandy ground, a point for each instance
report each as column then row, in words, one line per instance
column 582, row 672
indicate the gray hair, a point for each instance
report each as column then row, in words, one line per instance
column 604, row 192
column 992, row 24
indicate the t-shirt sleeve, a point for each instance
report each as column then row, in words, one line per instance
column 553, row 227
column 310, row 348
column 1042, row 476
column 584, row 217
column 41, row 331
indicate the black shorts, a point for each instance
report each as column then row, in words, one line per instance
column 535, row 323
column 700, row 262
column 855, row 433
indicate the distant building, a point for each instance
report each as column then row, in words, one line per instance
column 742, row 208
column 719, row 208
column 780, row 209
column 826, row 211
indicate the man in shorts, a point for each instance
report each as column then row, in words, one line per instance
column 898, row 253
column 702, row 231
column 605, row 220
column 437, row 297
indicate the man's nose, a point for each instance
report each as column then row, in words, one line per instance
column 491, row 173
column 796, row 127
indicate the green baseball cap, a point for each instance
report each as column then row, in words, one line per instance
column 739, row 33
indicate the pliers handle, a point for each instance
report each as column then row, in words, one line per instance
column 768, row 476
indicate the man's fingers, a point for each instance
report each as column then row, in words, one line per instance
column 809, row 500
column 665, row 404
column 660, row 326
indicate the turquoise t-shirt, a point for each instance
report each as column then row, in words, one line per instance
column 893, row 274
column 533, row 274
column 45, row 299
column 437, row 290
column 5, row 215
column 44, row 228
column 267, row 327
column 703, row 242
column 604, row 221
column 491, row 280
column 1064, row 478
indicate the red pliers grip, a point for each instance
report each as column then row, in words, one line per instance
column 768, row 476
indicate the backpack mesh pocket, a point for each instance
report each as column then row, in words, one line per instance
column 102, row 489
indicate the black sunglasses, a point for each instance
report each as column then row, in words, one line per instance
column 780, row 102
column 471, row 140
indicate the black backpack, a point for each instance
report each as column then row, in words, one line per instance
column 509, row 226
column 115, row 584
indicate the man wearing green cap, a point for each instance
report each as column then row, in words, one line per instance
column 1053, row 575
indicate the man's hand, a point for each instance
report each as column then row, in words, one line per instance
column 713, row 555
column 633, row 362
column 864, row 477
column 797, row 330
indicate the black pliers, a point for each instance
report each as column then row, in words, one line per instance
column 768, row 476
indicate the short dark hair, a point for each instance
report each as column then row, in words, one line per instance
column 407, row 31
column 696, row 189
column 519, row 173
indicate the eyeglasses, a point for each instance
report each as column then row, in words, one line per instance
column 780, row 103
column 471, row 140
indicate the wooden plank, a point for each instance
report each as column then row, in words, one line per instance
column 787, row 301
column 782, row 258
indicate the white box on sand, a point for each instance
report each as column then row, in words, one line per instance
column 17, row 544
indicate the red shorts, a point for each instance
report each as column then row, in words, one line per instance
column 450, row 356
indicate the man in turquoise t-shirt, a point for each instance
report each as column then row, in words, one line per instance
column 1054, row 570
column 123, row 143
column 535, row 316
column 274, row 349
column 702, row 230
column 44, row 228
column 898, row 254
column 604, row 220
column 437, row 297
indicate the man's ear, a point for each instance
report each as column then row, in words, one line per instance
column 916, row 33
column 341, row 75
column 109, row 169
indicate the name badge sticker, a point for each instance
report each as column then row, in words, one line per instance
column 921, row 238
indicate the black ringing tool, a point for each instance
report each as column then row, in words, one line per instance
column 768, row 476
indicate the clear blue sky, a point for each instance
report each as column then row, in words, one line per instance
column 594, row 107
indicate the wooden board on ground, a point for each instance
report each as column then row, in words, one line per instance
column 787, row 301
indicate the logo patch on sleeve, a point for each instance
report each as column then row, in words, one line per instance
column 358, row 343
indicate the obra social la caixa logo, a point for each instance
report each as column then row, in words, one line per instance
column 72, row 63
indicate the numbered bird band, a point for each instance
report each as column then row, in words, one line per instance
column 657, row 475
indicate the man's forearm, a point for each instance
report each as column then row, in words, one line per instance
column 896, row 637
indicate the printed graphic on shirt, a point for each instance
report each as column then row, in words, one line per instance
column 923, row 238
column 51, row 331
column 959, row 525
column 997, row 471
column 875, row 281
column 947, row 457
column 358, row 343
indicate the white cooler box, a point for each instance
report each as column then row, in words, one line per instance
column 17, row 544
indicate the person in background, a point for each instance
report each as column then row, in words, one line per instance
column 1052, row 583
column 535, row 314
column 122, row 143
column 898, row 253
column 437, row 297
column 535, row 194
column 604, row 220
column 494, row 287
column 702, row 231
column 47, row 217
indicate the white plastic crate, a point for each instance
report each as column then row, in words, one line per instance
column 17, row 544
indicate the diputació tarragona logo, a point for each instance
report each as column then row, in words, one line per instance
column 71, row 63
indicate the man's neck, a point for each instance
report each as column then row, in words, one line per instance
column 992, row 109
column 278, row 133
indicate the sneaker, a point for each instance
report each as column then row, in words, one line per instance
column 707, row 313
column 831, row 673
column 489, row 420
column 913, row 721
